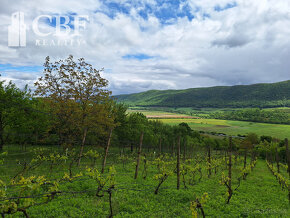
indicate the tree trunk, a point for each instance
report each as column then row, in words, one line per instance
column 1, row 143
column 110, row 202
column 82, row 146
column 107, row 150
column 178, row 163
column 1, row 136
column 139, row 154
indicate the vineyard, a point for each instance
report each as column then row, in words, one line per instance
column 197, row 182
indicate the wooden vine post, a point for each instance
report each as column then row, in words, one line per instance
column 253, row 155
column 226, row 158
column 178, row 163
column 230, row 191
column 209, row 161
column 287, row 155
column 288, row 162
column 245, row 157
column 82, row 146
column 160, row 145
column 107, row 150
column 277, row 160
column 139, row 155
column 184, row 149
column 173, row 146
column 110, row 202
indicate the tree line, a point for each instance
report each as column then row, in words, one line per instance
column 72, row 106
column 255, row 115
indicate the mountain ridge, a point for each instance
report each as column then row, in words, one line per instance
column 254, row 95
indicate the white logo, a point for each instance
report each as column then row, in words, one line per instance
column 17, row 30
column 63, row 26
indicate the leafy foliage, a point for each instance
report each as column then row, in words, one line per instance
column 257, row 95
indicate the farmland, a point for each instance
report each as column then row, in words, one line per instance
column 228, row 127
column 234, row 127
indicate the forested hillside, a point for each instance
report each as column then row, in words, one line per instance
column 257, row 95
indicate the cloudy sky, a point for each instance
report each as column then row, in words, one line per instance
column 154, row 44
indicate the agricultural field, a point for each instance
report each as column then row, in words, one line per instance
column 152, row 112
column 120, row 195
column 228, row 127
column 199, row 112
column 234, row 127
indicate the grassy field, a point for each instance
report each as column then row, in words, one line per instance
column 258, row 196
column 234, row 127
column 200, row 112
column 222, row 126
column 153, row 112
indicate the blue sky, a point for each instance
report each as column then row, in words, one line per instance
column 137, row 56
column 165, row 11
column 9, row 67
column 154, row 44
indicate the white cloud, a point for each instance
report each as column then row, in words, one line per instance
column 245, row 44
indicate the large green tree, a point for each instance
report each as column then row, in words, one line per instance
column 14, row 111
column 78, row 98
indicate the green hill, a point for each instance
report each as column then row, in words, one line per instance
column 256, row 95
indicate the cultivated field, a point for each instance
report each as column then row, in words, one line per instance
column 234, row 127
column 221, row 126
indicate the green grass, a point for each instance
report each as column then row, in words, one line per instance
column 219, row 126
column 234, row 127
column 152, row 112
column 258, row 196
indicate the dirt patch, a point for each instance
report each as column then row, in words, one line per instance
column 166, row 116
column 222, row 126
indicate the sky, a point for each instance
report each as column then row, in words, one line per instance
column 154, row 44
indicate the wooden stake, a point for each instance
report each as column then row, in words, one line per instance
column 160, row 145
column 107, row 150
column 277, row 161
column 82, row 146
column 209, row 161
column 139, row 154
column 178, row 163
column 184, row 149
column 288, row 157
column 230, row 171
